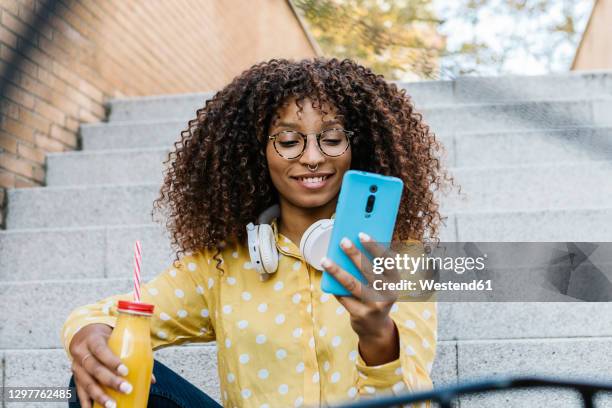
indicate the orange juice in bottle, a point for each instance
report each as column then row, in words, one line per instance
column 131, row 342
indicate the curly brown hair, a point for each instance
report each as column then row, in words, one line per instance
column 218, row 179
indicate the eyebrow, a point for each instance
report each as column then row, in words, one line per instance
column 290, row 124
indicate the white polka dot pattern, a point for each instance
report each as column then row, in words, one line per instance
column 281, row 354
column 282, row 338
column 336, row 341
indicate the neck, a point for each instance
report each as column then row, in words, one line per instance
column 294, row 221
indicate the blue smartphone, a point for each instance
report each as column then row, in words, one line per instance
column 368, row 202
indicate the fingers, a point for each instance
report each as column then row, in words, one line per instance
column 371, row 245
column 153, row 379
column 358, row 258
column 83, row 396
column 101, row 372
column 104, row 354
column 386, row 275
column 350, row 283
column 105, row 376
column 352, row 305
column 90, row 388
column 364, row 264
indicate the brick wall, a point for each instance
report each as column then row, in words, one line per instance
column 94, row 50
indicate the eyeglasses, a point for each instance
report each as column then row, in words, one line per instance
column 291, row 144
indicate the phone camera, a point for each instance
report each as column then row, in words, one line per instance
column 370, row 204
column 373, row 188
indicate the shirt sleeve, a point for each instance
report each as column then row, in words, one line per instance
column 181, row 311
column 416, row 323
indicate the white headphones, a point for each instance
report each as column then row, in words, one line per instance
column 262, row 243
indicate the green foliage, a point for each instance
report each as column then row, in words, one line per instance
column 391, row 37
column 405, row 39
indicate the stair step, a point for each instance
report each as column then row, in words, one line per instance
column 82, row 252
column 531, row 146
column 99, row 252
column 460, row 90
column 145, row 165
column 584, row 225
column 125, row 166
column 51, row 368
column 48, row 207
column 532, row 187
column 578, row 358
column 504, row 117
column 507, row 116
column 196, row 363
column 519, row 115
column 511, row 88
column 529, row 187
column 121, row 205
column 129, row 135
column 575, row 358
column 105, row 252
column 26, row 325
column 157, row 106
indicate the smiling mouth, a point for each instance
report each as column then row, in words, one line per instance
column 312, row 182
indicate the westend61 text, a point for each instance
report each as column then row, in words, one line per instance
column 430, row 284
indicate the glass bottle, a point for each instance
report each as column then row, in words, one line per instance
column 131, row 342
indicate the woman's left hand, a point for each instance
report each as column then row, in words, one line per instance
column 369, row 309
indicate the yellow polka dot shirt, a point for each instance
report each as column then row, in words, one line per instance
column 280, row 342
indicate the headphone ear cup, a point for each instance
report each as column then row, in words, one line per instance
column 315, row 241
column 267, row 248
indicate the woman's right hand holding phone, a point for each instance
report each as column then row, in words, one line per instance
column 95, row 366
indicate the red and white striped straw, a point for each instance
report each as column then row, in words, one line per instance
column 137, row 263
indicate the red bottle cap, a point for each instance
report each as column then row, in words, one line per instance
column 128, row 306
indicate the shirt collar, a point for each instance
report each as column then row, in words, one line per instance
column 284, row 244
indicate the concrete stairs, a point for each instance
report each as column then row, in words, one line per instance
column 534, row 158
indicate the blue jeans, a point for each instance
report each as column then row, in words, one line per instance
column 170, row 391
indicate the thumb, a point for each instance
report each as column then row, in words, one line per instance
column 153, row 380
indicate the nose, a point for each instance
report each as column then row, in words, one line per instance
column 312, row 155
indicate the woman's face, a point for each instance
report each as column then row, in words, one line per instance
column 292, row 178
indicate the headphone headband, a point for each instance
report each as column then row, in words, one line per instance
column 269, row 214
column 261, row 241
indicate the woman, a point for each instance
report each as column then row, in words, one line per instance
column 280, row 341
